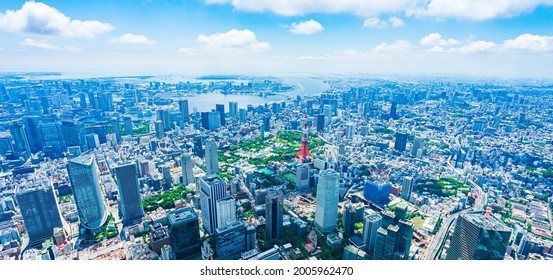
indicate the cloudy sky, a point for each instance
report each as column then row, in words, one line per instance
column 504, row 38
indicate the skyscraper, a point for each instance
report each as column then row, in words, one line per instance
column 211, row 157
column 226, row 211
column 129, row 193
column 320, row 122
column 74, row 134
column 51, row 137
column 302, row 178
column 127, row 121
column 418, row 144
column 393, row 238
column 21, row 143
column 407, row 187
column 230, row 241
column 326, row 211
column 401, row 141
column 83, row 174
column 221, row 109
column 393, row 111
column 233, row 109
column 187, row 169
column 31, row 124
column 185, row 233
column 39, row 211
column 273, row 214
column 183, row 109
column 163, row 116
column 212, row 189
column 160, row 131
column 371, row 223
column 479, row 237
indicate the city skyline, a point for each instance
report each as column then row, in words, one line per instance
column 509, row 39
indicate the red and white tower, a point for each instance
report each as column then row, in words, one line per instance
column 304, row 150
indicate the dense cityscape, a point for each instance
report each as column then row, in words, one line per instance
column 375, row 168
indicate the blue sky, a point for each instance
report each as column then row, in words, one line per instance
column 511, row 38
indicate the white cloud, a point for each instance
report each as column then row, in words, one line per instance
column 435, row 39
column 47, row 46
column 396, row 22
column 436, row 49
column 378, row 23
column 465, row 9
column 374, row 23
column 232, row 40
column 39, row 18
column 530, row 42
column 130, row 38
column 395, row 47
column 306, row 27
column 477, row 9
column 476, row 47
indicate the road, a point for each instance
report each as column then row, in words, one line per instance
column 438, row 241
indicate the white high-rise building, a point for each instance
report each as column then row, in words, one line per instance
column 211, row 159
column 326, row 211
column 226, row 211
column 371, row 224
column 212, row 189
column 407, row 187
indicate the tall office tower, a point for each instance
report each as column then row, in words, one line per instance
column 320, row 123
column 116, row 129
column 349, row 219
column 92, row 141
column 32, row 129
column 401, row 141
column 393, row 111
column 242, row 115
column 221, row 109
column 393, row 238
column 205, row 119
column 211, row 158
column 183, row 109
column 371, row 223
column 84, row 177
column 52, row 137
column 212, row 189
column 418, row 147
column 267, row 123
column 127, row 121
column 407, row 187
column 82, row 100
column 130, row 200
column 250, row 237
column 226, row 211
column 39, row 211
column 163, row 115
column 327, row 112
column 350, row 129
column 302, row 178
column 21, row 143
column 187, row 167
column 74, row 134
column 198, row 146
column 185, row 233
column 479, row 237
column 326, row 211
column 167, row 178
column 230, row 241
column 160, row 131
column 273, row 214
column 211, row 120
column 233, row 109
